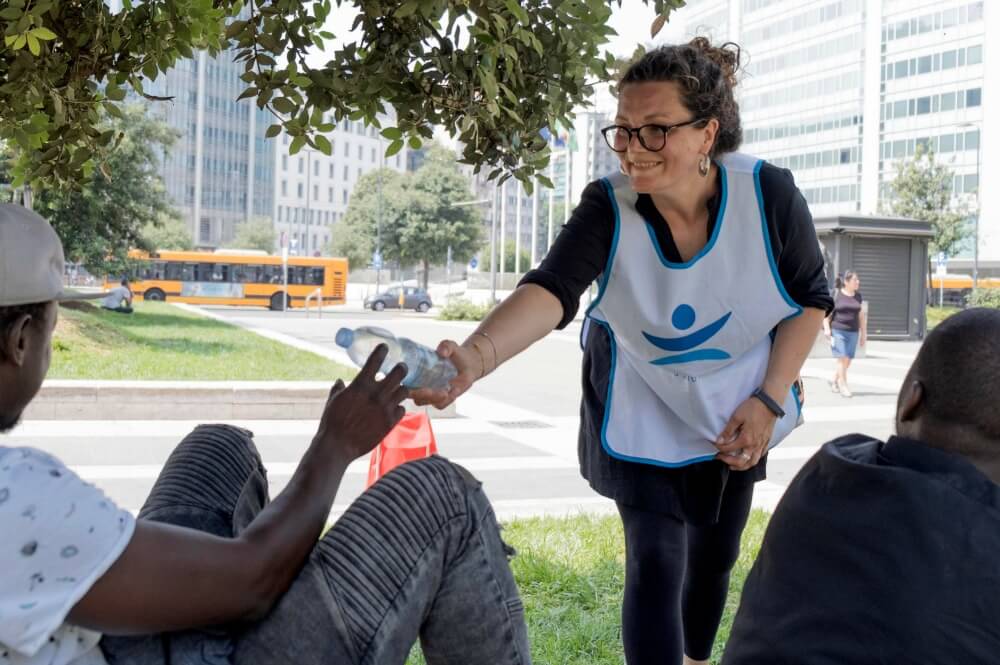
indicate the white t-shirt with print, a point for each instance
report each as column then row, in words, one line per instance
column 58, row 535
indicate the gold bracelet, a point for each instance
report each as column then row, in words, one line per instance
column 496, row 356
column 482, row 359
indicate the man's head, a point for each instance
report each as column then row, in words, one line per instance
column 31, row 273
column 125, row 282
column 949, row 398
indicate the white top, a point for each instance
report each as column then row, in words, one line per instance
column 690, row 341
column 115, row 297
column 59, row 536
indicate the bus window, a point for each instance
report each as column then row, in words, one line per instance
column 174, row 271
column 315, row 276
column 159, row 270
column 245, row 274
column 296, row 275
column 220, row 272
column 272, row 274
column 189, row 272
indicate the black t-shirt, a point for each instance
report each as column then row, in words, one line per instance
column 578, row 256
column 846, row 311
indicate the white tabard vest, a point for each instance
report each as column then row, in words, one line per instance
column 689, row 341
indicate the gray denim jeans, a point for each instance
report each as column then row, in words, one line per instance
column 418, row 555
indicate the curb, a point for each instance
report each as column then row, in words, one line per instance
column 187, row 400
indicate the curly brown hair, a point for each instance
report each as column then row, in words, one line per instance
column 706, row 75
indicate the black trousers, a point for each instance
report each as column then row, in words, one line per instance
column 677, row 578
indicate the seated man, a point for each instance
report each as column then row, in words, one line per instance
column 119, row 299
column 418, row 555
column 887, row 552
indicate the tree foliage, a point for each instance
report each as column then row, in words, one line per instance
column 99, row 222
column 418, row 219
column 257, row 234
column 922, row 190
column 169, row 232
column 493, row 72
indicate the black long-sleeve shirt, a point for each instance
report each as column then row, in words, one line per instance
column 575, row 260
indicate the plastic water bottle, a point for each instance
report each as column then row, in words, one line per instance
column 425, row 369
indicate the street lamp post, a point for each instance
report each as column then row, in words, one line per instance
column 493, row 285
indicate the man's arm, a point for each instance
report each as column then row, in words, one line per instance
column 173, row 578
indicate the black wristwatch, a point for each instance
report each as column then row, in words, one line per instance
column 771, row 405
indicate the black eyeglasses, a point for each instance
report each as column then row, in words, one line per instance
column 651, row 137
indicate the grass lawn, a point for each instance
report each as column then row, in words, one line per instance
column 160, row 341
column 570, row 572
column 936, row 315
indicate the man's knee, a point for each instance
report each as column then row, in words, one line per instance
column 216, row 440
column 435, row 479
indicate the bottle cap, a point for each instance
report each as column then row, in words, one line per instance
column 345, row 337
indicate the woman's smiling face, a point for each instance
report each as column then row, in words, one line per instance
column 660, row 103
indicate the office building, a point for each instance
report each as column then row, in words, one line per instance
column 313, row 190
column 839, row 91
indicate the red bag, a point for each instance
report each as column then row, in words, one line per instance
column 411, row 439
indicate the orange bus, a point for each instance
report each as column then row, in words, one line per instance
column 954, row 289
column 236, row 278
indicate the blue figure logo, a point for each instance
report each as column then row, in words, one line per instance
column 683, row 318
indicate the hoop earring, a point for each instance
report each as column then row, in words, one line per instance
column 704, row 164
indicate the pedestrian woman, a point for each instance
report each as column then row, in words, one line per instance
column 711, row 293
column 846, row 328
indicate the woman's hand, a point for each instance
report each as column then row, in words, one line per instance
column 744, row 440
column 471, row 365
column 864, row 338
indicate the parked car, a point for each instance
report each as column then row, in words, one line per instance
column 412, row 298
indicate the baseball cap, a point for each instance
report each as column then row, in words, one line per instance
column 31, row 260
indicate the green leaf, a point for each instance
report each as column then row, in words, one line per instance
column 33, row 45
column 323, row 145
column 272, row 131
column 297, row 143
column 11, row 13
column 44, row 34
column 415, row 142
column 150, row 70
column 392, row 133
column 514, row 8
column 235, row 28
column 393, row 148
column 408, row 8
column 302, row 80
column 248, row 93
column 284, row 105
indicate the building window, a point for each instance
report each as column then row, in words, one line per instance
column 284, row 188
column 347, row 149
column 315, row 192
column 346, row 173
column 206, row 230
column 316, row 168
column 329, row 195
column 302, row 165
column 331, row 171
column 284, row 162
column 299, row 190
column 361, row 153
column 345, row 195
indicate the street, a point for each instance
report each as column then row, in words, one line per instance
column 516, row 430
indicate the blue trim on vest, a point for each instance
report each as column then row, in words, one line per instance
column 767, row 245
column 606, row 275
column 692, row 356
column 711, row 241
column 607, row 415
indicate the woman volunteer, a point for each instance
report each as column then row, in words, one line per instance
column 712, row 292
